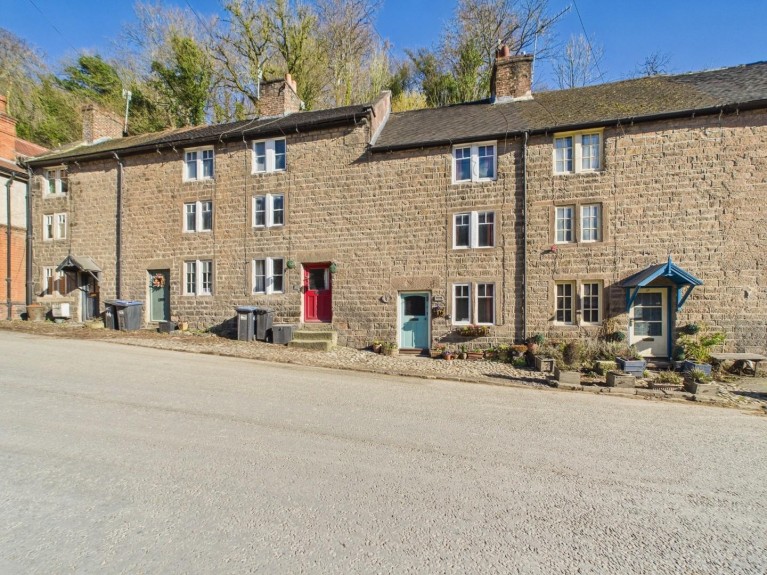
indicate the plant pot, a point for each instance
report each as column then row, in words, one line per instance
column 376, row 347
column 36, row 312
column 620, row 379
column 448, row 356
column 462, row 355
column 699, row 388
column 544, row 364
column 633, row 367
column 566, row 376
column 390, row 351
column 474, row 355
column 435, row 353
column 689, row 365
column 183, row 325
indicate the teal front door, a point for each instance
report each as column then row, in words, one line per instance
column 414, row 320
column 159, row 295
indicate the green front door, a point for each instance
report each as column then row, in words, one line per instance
column 414, row 320
column 159, row 295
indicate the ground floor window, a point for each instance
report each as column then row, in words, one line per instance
column 591, row 302
column 198, row 277
column 269, row 275
column 474, row 303
column 55, row 282
column 565, row 305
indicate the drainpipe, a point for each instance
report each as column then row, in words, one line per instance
column 30, row 284
column 118, row 227
column 524, row 238
column 8, row 280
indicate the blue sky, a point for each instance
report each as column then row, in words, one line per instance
column 695, row 34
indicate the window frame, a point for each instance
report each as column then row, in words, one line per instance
column 269, row 211
column 199, row 218
column 268, row 275
column 473, row 297
column 270, row 156
column 52, row 288
column 474, row 162
column 573, row 224
column 60, row 182
column 582, row 297
column 477, row 298
column 572, row 299
column 199, row 283
column 474, row 226
column 597, row 228
column 467, row 297
column 199, row 164
column 577, row 156
column 55, row 232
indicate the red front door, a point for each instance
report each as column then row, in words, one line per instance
column 318, row 301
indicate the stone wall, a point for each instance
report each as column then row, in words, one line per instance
column 688, row 188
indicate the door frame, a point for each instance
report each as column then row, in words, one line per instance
column 166, row 288
column 304, row 288
column 428, row 315
column 667, row 316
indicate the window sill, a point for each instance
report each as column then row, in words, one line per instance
column 483, row 181
column 266, row 173
column 198, row 180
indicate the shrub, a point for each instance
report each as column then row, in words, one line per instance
column 699, row 376
column 698, row 346
column 572, row 353
column 669, row 377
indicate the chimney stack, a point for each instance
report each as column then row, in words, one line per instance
column 512, row 76
column 7, row 132
column 99, row 123
column 279, row 97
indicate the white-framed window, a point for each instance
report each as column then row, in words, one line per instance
column 564, row 312
column 591, row 302
column 54, row 227
column 270, row 156
column 474, row 304
column 269, row 275
column 269, row 210
column 581, row 152
column 57, row 182
column 475, row 162
column 198, row 216
column 564, row 222
column 474, row 230
column 485, row 304
column 198, row 164
column 55, row 282
column 591, row 222
column 461, row 303
column 198, row 277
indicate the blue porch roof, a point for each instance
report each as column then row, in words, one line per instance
column 668, row 270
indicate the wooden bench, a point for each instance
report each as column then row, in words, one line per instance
column 740, row 359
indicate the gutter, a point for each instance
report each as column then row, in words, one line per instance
column 9, row 299
column 524, row 239
column 29, row 282
column 118, row 227
column 709, row 111
column 171, row 144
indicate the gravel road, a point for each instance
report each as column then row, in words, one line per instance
column 121, row 459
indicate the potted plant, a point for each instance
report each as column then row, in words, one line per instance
column 437, row 350
column 462, row 352
column 571, row 358
column 473, row 331
column 697, row 382
column 376, row 346
column 475, row 355
column 697, row 345
column 389, row 348
column 632, row 362
column 448, row 355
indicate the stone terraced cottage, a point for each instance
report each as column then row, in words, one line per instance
column 639, row 203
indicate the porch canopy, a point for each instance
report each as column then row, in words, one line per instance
column 80, row 264
column 668, row 271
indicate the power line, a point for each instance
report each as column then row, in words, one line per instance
column 52, row 25
column 199, row 19
column 588, row 41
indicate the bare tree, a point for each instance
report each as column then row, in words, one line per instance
column 578, row 63
column 654, row 64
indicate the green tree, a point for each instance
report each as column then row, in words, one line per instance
column 55, row 118
column 186, row 81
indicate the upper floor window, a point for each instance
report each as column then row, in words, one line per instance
column 57, row 182
column 578, row 153
column 198, row 164
column 198, row 216
column 269, row 210
column 269, row 275
column 54, row 227
column 591, row 222
column 198, row 277
column 474, row 163
column 474, row 230
column 269, row 156
column 564, row 224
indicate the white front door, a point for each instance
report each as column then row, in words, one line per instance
column 648, row 322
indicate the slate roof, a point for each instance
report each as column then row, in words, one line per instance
column 629, row 100
column 200, row 135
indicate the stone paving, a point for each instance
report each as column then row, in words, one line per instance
column 744, row 393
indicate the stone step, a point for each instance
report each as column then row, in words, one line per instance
column 324, row 340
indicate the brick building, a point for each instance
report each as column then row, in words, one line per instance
column 620, row 206
column 13, row 194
